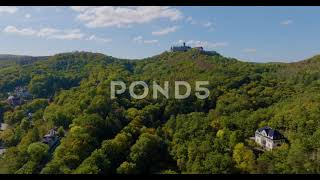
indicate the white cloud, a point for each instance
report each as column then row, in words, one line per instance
column 191, row 20
column 68, row 36
column 206, row 44
column 286, row 22
column 108, row 16
column 46, row 32
column 137, row 39
column 99, row 39
column 179, row 42
column 22, row 32
column 150, row 41
column 165, row 31
column 28, row 16
column 140, row 39
column 8, row 9
column 207, row 24
column 249, row 50
column 49, row 33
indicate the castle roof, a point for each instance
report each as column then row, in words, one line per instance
column 270, row 133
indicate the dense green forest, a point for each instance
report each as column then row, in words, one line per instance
column 99, row 135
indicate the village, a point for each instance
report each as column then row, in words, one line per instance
column 52, row 139
column 18, row 97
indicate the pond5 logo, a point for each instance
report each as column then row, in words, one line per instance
column 119, row 87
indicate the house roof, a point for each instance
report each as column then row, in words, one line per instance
column 271, row 133
column 11, row 97
column 51, row 136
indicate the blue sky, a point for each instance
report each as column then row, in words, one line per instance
column 260, row 34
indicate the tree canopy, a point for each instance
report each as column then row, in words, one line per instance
column 100, row 135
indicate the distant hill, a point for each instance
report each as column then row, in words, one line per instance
column 21, row 58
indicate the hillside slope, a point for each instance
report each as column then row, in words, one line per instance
column 125, row 135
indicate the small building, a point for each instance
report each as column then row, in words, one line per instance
column 22, row 92
column 269, row 138
column 14, row 101
column 3, row 126
column 30, row 116
column 183, row 48
column 51, row 139
column 19, row 96
column 2, row 151
column 199, row 48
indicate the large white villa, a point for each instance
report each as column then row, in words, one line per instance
column 269, row 138
column 3, row 126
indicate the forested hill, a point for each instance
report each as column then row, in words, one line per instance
column 71, row 91
column 21, row 58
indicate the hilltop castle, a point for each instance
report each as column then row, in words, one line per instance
column 185, row 48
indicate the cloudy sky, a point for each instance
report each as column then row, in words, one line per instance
column 258, row 34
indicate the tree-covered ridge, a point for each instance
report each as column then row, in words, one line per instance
column 71, row 91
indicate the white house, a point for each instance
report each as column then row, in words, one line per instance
column 269, row 138
column 2, row 151
column 14, row 101
column 51, row 139
column 3, row 126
